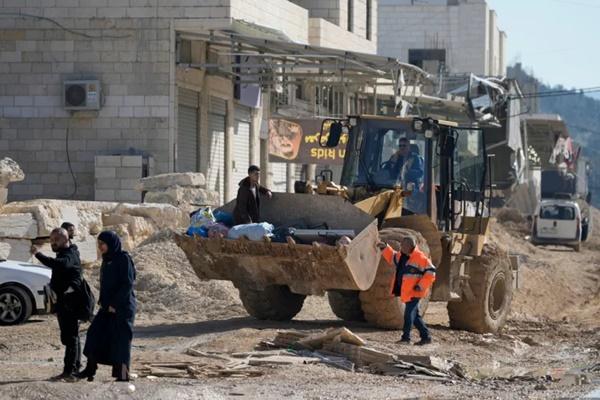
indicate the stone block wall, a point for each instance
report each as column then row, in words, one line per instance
column 116, row 176
column 131, row 56
column 129, row 46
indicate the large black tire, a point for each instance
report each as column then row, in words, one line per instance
column 345, row 304
column 275, row 303
column 491, row 281
column 379, row 306
column 15, row 305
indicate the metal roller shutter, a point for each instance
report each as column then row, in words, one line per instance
column 216, row 163
column 187, row 130
column 241, row 145
column 279, row 172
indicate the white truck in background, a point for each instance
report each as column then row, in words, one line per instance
column 564, row 181
column 557, row 222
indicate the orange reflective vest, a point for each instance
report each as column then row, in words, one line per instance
column 419, row 271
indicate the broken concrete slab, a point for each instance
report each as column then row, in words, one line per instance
column 123, row 231
column 18, row 249
column 139, row 228
column 163, row 181
column 179, row 195
column 3, row 196
column 88, row 249
column 50, row 214
column 4, row 250
column 18, row 226
column 10, row 172
column 162, row 215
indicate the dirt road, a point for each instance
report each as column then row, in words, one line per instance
column 555, row 326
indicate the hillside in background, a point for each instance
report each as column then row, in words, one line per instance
column 580, row 112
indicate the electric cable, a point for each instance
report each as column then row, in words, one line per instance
column 58, row 24
column 72, row 195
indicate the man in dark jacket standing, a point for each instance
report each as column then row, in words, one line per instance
column 247, row 206
column 65, row 283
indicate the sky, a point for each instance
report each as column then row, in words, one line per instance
column 559, row 40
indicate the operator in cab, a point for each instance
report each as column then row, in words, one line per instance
column 405, row 165
column 247, row 205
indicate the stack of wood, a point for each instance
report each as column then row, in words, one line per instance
column 338, row 347
column 342, row 344
column 195, row 370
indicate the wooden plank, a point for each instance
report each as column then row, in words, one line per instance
column 281, row 360
column 426, row 361
column 360, row 355
column 198, row 353
column 334, row 334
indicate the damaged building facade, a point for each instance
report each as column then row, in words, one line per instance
column 95, row 94
column 443, row 36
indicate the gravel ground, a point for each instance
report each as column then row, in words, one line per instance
column 555, row 326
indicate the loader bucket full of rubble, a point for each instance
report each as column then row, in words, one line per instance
column 304, row 268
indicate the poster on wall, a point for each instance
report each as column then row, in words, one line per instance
column 297, row 141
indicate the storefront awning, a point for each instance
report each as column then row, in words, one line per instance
column 268, row 59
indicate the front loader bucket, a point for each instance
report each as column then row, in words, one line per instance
column 306, row 269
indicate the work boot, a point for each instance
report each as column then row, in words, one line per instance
column 423, row 342
column 404, row 341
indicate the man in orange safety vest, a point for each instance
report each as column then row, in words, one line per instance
column 414, row 277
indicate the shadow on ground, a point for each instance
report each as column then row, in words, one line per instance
column 220, row 326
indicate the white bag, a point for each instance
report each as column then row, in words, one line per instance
column 254, row 232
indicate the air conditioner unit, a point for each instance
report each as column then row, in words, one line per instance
column 82, row 95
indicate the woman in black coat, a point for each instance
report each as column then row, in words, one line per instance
column 109, row 337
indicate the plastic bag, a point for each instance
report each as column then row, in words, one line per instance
column 197, row 230
column 202, row 217
column 224, row 217
column 254, row 232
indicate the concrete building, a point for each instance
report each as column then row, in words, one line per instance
column 154, row 111
column 453, row 36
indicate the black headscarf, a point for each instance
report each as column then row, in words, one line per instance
column 113, row 242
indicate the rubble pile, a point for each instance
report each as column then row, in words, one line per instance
column 30, row 222
column 341, row 348
column 335, row 347
column 184, row 190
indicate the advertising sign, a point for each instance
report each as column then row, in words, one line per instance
column 297, row 141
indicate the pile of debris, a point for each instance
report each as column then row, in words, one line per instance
column 350, row 352
column 30, row 222
column 336, row 347
column 184, row 190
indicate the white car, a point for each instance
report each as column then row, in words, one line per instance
column 22, row 291
column 557, row 222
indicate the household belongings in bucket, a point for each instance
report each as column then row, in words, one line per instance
column 256, row 231
column 205, row 223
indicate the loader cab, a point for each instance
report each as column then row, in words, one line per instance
column 441, row 166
